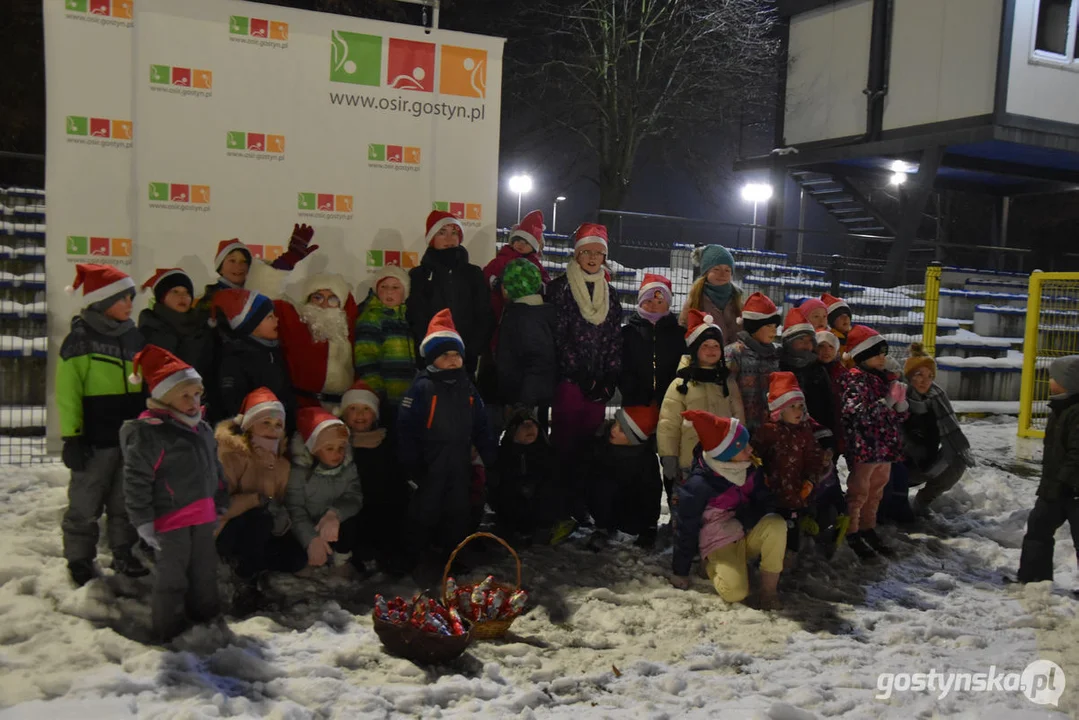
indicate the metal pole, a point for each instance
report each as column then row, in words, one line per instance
column 554, row 216
column 519, row 206
column 753, row 238
column 427, row 3
column 801, row 222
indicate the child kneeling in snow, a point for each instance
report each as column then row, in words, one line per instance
column 723, row 510
column 174, row 489
column 324, row 495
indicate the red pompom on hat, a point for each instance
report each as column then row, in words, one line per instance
column 720, row 438
column 99, row 282
column 699, row 325
column 651, row 284
column 758, row 308
column 360, row 394
column 439, row 219
column 796, row 325
column 225, row 247
column 442, row 336
column 864, row 342
column 313, row 421
column 783, row 390
column 530, row 229
column 161, row 370
column 638, row 422
column 259, row 402
column 590, row 234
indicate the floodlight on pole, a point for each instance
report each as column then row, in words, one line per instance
column 522, row 185
column 756, row 193
column 554, row 211
column 898, row 178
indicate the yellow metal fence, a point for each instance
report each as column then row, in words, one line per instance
column 1052, row 331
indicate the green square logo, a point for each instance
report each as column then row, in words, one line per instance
column 375, row 152
column 307, row 201
column 237, row 140
column 77, row 125
column 75, row 5
column 159, row 192
column 443, row 206
column 374, row 258
column 77, row 245
column 238, row 25
column 355, row 58
column 160, row 74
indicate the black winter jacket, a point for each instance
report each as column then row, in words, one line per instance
column 526, row 361
column 445, row 279
column 650, row 355
column 1060, row 463
column 185, row 335
column 246, row 365
column 822, row 402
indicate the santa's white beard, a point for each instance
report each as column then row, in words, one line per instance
column 325, row 324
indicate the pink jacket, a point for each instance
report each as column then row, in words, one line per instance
column 719, row 526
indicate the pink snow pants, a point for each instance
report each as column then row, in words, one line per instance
column 865, row 487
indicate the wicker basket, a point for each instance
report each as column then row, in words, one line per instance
column 485, row 629
column 419, row 646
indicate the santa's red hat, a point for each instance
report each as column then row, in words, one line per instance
column 758, row 311
column 313, row 421
column 161, row 370
column 259, row 402
column 590, row 234
column 651, row 284
column 442, row 336
column 702, row 327
column 783, row 390
column 243, row 309
column 864, row 342
column 225, row 247
column 530, row 229
column 360, row 394
column 638, row 422
column 720, row 438
column 165, row 279
column 796, row 325
column 439, row 219
column 100, row 282
column 835, row 306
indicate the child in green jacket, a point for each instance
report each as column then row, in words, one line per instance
column 384, row 353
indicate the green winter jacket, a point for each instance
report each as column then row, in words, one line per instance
column 1060, row 462
column 93, row 393
column 314, row 489
column 384, row 353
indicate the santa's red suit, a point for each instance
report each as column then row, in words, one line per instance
column 320, row 370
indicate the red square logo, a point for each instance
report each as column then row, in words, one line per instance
column 181, row 76
column 411, row 65
column 99, row 7
column 392, row 257
column 256, row 251
column 256, row 141
column 260, row 28
column 325, row 202
column 395, row 153
column 179, row 193
column 100, row 246
column 100, row 127
column 457, row 209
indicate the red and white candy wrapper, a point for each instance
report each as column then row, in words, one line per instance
column 381, row 608
column 488, row 583
column 451, row 587
column 420, row 612
column 496, row 604
column 456, row 625
column 517, row 601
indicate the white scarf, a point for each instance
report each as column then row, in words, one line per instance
column 593, row 307
column 735, row 472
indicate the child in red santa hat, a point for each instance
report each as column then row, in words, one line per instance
column 754, row 356
column 235, row 264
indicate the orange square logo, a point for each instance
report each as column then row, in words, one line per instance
column 200, row 194
column 121, row 129
column 412, row 155
column 473, row 211
column 122, row 9
column 343, row 203
column 410, row 260
column 203, row 79
column 464, row 71
column 278, row 30
column 272, row 252
column 275, row 143
column 121, row 247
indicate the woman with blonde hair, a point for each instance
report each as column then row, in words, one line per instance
column 714, row 292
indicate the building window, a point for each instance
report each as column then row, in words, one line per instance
column 1055, row 30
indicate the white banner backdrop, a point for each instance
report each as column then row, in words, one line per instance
column 253, row 117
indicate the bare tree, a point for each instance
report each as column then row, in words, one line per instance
column 619, row 72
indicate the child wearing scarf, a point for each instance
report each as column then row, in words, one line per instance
column 652, row 344
column 753, row 357
column 714, row 292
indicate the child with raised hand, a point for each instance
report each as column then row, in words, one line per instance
column 237, row 268
column 442, row 426
column 174, row 489
column 324, row 495
column 1058, row 491
column 753, row 357
column 701, row 383
column 385, row 351
column 873, row 410
column 525, row 492
column 724, row 514
column 627, row 488
column 94, row 397
column 652, row 345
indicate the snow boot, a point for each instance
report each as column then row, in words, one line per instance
column 598, row 541
column 647, row 539
column 82, row 571
column 125, row 563
column 873, row 540
column 247, row 598
column 861, row 548
column 561, row 531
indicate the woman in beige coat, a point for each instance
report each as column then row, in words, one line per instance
column 700, row 384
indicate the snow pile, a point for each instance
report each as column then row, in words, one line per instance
column 608, row 636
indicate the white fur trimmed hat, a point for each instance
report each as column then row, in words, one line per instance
column 161, row 370
column 100, row 282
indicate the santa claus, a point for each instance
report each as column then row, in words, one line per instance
column 317, row 336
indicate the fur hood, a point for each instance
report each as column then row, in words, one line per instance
column 231, row 439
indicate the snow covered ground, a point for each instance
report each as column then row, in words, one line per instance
column 608, row 637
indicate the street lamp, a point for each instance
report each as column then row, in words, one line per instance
column 554, row 211
column 756, row 193
column 898, row 178
column 522, row 185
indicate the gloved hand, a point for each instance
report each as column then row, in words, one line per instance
column 809, row 526
column 149, row 535
column 76, row 453
column 299, row 247
column 671, row 471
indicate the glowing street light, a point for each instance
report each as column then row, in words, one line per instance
column 756, row 193
column 554, row 211
column 898, row 178
column 522, row 185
